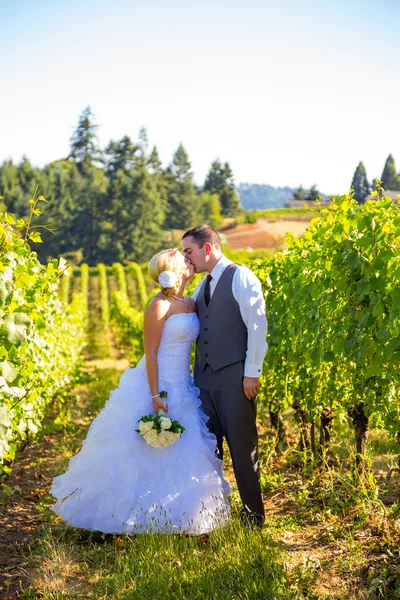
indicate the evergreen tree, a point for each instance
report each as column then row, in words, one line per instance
column 181, row 167
column 184, row 210
column 143, row 140
column 28, row 177
column 390, row 179
column 154, row 162
column 374, row 183
column 147, row 218
column 11, row 190
column 300, row 194
column 220, row 181
column 211, row 209
column 360, row 183
column 88, row 218
column 120, row 155
column 229, row 198
column 154, row 167
column 17, row 185
column 116, row 219
column 84, row 146
column 215, row 179
column 62, row 187
column 141, row 155
column 312, row 194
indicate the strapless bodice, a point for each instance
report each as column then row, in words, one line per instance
column 179, row 332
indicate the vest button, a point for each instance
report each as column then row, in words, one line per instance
column 207, row 316
column 206, row 341
column 206, row 355
column 205, row 328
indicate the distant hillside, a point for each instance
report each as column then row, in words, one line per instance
column 254, row 196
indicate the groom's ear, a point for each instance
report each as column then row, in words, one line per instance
column 208, row 248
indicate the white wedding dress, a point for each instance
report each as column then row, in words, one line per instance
column 117, row 483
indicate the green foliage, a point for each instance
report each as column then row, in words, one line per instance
column 175, row 426
column 85, row 284
column 120, row 156
column 333, row 309
column 128, row 323
column 41, row 339
column 220, row 181
column 183, row 203
column 360, row 183
column 313, row 194
column 154, row 162
column 65, row 287
column 240, row 219
column 252, row 217
column 84, row 148
column 119, row 273
column 117, row 205
column 245, row 257
column 280, row 214
column 300, row 194
column 390, row 179
column 135, row 270
column 147, row 217
column 104, row 304
column 211, row 209
column 88, row 219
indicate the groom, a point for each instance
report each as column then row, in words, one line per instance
column 229, row 355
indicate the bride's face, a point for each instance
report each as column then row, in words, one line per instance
column 187, row 268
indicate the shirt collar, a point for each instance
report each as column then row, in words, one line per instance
column 220, row 267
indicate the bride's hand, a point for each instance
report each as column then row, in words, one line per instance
column 190, row 268
column 159, row 404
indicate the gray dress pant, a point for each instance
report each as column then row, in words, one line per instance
column 233, row 416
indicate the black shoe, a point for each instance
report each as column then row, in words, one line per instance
column 252, row 520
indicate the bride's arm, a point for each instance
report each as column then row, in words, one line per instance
column 154, row 319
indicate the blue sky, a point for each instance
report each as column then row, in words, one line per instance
column 288, row 92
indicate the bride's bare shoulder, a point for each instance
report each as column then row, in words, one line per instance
column 158, row 307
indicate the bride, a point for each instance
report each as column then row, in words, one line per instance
column 119, row 484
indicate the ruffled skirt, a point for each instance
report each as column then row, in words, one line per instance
column 119, row 484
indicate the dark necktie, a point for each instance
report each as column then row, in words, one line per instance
column 207, row 290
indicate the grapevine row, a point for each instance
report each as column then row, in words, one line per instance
column 333, row 304
column 135, row 270
column 128, row 324
column 41, row 339
column 104, row 304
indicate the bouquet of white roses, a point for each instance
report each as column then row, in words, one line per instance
column 159, row 431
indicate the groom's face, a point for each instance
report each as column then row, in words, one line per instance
column 195, row 255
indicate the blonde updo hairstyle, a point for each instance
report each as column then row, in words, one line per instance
column 166, row 260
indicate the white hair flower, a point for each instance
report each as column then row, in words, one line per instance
column 168, row 279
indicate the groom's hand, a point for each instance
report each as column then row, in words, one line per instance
column 251, row 387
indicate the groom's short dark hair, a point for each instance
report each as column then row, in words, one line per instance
column 202, row 234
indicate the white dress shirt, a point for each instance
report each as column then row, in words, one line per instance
column 247, row 291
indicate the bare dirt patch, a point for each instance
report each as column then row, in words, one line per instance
column 21, row 517
column 263, row 234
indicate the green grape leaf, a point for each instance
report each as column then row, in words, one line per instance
column 16, row 327
column 35, row 237
column 374, row 369
column 8, row 371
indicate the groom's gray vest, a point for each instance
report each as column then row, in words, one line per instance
column 222, row 339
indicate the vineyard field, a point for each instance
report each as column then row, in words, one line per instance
column 328, row 412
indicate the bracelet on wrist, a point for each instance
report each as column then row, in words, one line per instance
column 162, row 394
